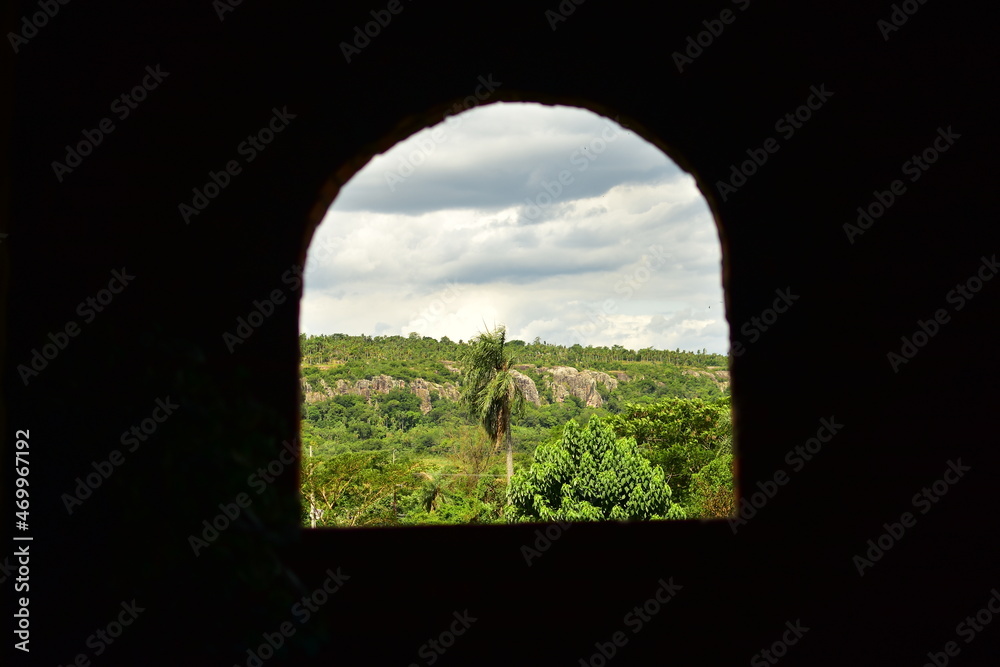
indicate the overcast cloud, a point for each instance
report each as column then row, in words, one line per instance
column 467, row 223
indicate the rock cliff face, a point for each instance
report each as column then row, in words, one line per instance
column 721, row 378
column 380, row 384
column 564, row 381
column 527, row 385
column 568, row 381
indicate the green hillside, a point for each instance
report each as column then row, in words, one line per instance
column 387, row 442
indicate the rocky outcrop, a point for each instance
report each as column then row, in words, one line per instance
column 527, row 386
column 379, row 384
column 422, row 388
column 320, row 392
column 564, row 381
column 568, row 381
column 720, row 378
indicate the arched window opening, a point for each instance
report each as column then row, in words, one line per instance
column 516, row 315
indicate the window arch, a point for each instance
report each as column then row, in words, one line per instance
column 558, row 222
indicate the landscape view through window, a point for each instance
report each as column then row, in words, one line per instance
column 515, row 315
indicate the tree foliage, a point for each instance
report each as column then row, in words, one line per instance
column 382, row 460
column 357, row 488
column 679, row 435
column 344, row 349
column 491, row 393
column 589, row 474
column 712, row 493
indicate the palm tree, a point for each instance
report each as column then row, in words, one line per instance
column 490, row 391
column 432, row 493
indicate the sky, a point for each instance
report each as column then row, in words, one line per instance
column 553, row 221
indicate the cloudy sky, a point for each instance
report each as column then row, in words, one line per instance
column 554, row 221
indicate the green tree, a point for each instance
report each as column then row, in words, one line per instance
column 680, row 435
column 712, row 494
column 490, row 391
column 590, row 475
column 356, row 488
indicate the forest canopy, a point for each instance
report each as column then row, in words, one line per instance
column 388, row 440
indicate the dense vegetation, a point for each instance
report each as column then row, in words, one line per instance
column 385, row 461
column 422, row 355
column 590, row 475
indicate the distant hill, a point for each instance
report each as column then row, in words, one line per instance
column 337, row 365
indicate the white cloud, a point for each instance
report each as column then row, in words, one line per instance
column 627, row 250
